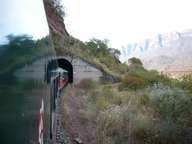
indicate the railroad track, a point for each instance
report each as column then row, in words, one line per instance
column 59, row 136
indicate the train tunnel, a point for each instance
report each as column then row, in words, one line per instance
column 62, row 63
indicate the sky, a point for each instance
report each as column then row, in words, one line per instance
column 119, row 21
column 22, row 17
column 126, row 21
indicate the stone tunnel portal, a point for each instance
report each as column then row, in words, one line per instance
column 62, row 63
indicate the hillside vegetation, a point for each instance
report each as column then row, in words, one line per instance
column 95, row 51
column 145, row 107
column 21, row 50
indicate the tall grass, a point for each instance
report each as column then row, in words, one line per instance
column 157, row 114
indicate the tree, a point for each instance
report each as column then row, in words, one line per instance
column 19, row 44
column 135, row 61
column 115, row 52
column 98, row 47
column 18, row 51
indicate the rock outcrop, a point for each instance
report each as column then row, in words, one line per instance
column 61, row 39
column 55, row 21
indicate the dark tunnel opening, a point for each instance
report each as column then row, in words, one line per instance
column 62, row 63
column 65, row 64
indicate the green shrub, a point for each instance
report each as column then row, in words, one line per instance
column 170, row 102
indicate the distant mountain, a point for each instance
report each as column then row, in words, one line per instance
column 165, row 52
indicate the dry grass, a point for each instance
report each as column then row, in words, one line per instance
column 154, row 115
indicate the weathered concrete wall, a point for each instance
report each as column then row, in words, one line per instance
column 81, row 69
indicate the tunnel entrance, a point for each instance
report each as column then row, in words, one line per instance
column 62, row 63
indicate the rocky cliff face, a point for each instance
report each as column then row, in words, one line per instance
column 60, row 37
column 55, row 21
column 169, row 52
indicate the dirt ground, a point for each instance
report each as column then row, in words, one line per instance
column 76, row 126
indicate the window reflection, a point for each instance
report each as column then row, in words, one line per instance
column 24, row 46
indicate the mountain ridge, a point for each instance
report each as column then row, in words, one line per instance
column 163, row 52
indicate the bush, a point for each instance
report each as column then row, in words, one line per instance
column 105, row 98
column 157, row 114
column 102, row 103
column 133, row 82
column 170, row 102
column 87, row 84
column 111, row 127
column 186, row 82
column 122, row 125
